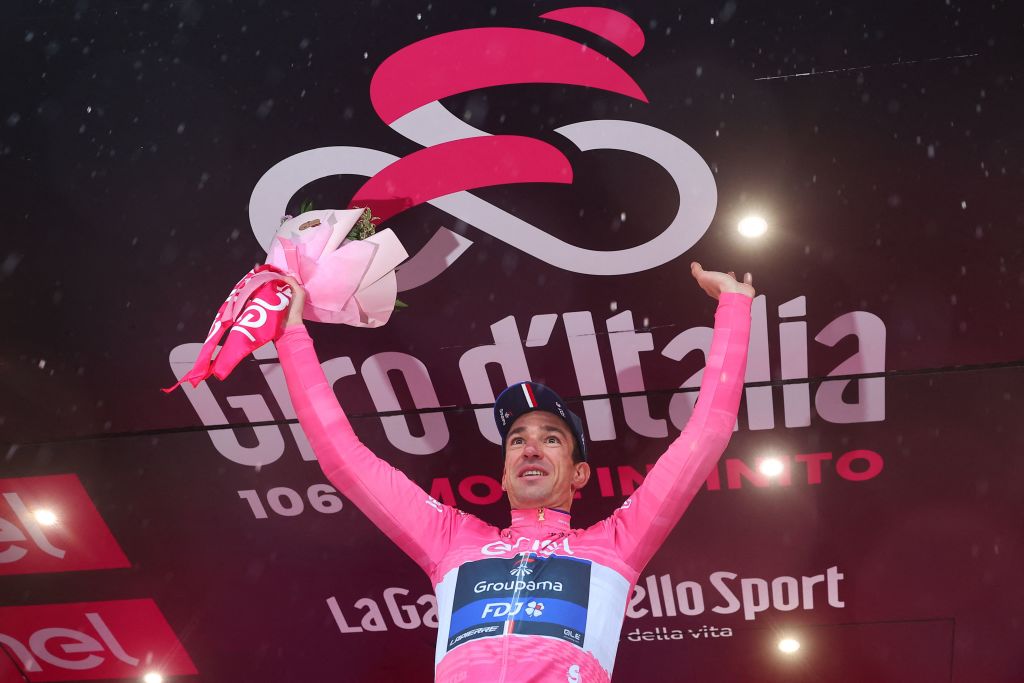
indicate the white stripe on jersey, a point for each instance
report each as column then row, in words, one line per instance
column 445, row 592
column 609, row 591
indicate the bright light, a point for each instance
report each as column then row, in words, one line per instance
column 152, row 677
column 771, row 467
column 753, row 226
column 789, row 645
column 45, row 517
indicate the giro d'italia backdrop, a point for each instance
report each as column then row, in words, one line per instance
column 552, row 170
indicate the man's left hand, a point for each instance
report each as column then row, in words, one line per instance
column 715, row 283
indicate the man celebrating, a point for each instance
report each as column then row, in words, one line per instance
column 538, row 601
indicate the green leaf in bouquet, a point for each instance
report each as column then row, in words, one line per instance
column 364, row 227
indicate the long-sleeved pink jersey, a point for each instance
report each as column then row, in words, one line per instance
column 538, row 601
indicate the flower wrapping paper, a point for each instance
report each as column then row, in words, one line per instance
column 350, row 282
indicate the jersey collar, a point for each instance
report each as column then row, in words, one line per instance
column 546, row 517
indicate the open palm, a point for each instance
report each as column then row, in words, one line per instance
column 715, row 283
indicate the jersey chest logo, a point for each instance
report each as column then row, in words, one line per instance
column 528, row 595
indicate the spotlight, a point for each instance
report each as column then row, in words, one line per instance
column 45, row 517
column 152, row 677
column 789, row 645
column 771, row 467
column 753, row 226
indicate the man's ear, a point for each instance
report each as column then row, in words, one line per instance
column 580, row 475
column 504, row 469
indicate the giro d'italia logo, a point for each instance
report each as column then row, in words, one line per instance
column 406, row 92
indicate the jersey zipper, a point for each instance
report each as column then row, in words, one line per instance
column 514, row 602
column 504, row 657
column 505, row 638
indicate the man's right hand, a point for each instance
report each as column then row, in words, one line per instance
column 298, row 301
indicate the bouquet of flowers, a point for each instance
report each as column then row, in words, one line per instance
column 346, row 266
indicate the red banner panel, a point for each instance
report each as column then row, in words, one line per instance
column 49, row 524
column 92, row 640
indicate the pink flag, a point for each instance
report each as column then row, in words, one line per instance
column 252, row 315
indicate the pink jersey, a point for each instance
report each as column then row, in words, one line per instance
column 538, row 601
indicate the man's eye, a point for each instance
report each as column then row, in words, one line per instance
column 553, row 439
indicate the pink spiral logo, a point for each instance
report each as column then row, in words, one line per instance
column 406, row 91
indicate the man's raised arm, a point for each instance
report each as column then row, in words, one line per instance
column 417, row 523
column 646, row 518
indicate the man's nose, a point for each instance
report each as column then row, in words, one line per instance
column 531, row 450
